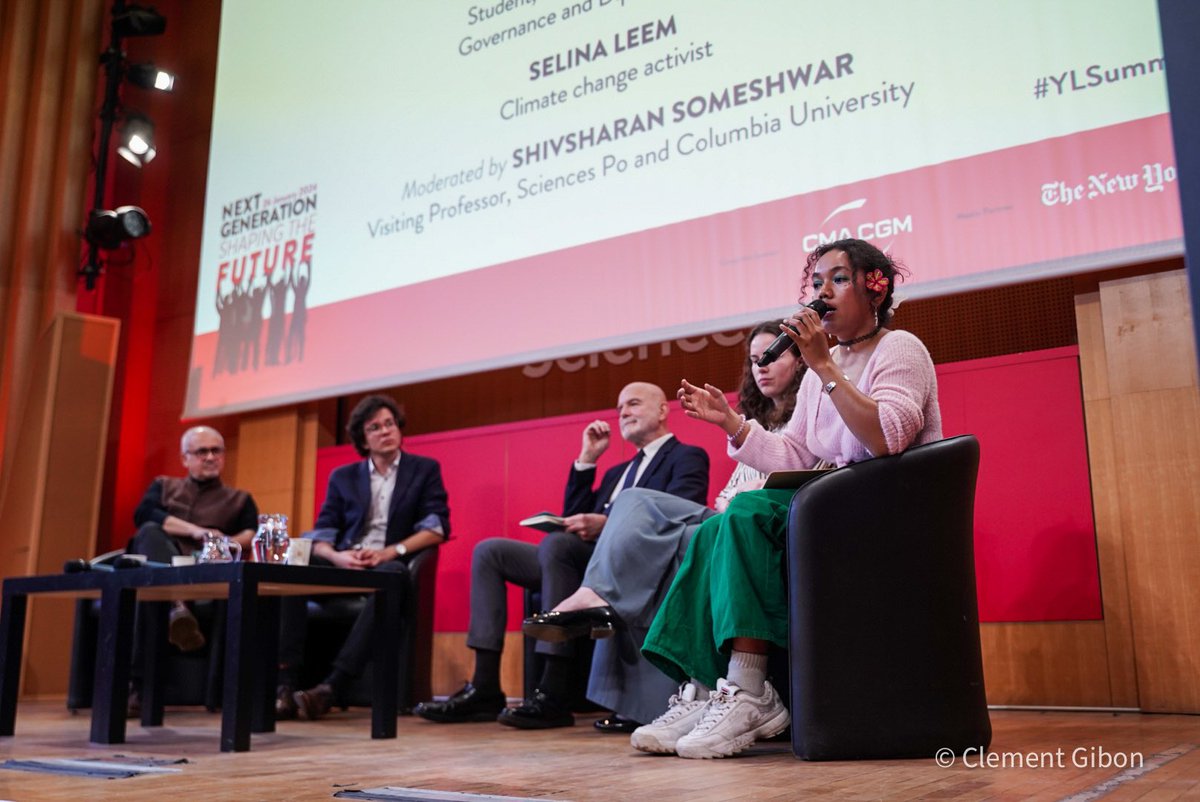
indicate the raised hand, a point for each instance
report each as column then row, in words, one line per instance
column 707, row 403
column 596, row 437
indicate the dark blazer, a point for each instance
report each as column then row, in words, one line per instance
column 677, row 468
column 419, row 493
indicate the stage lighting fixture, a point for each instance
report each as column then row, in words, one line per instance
column 138, row 21
column 108, row 229
column 147, row 76
column 137, row 139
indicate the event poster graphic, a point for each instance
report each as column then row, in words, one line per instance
column 264, row 271
column 513, row 181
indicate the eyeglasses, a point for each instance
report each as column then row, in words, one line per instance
column 382, row 426
column 211, row 451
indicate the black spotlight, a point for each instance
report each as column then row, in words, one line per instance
column 148, row 76
column 138, row 21
column 108, row 229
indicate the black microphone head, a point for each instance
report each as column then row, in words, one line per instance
column 783, row 342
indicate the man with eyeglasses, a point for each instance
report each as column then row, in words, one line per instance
column 377, row 514
column 175, row 513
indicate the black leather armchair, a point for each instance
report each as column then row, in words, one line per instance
column 885, row 658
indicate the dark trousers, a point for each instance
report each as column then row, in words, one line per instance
column 293, row 630
column 158, row 546
column 153, row 541
column 555, row 567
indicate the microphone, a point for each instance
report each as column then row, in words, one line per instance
column 784, row 342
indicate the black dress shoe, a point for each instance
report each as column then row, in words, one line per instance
column 315, row 702
column 469, row 704
column 539, row 713
column 556, row 625
column 615, row 723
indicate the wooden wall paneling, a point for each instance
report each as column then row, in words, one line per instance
column 1093, row 359
column 454, row 663
column 22, row 485
column 575, row 384
column 1158, row 437
column 306, row 468
column 1049, row 663
column 269, row 461
column 1106, row 502
column 1156, row 430
column 50, row 501
column 1147, row 329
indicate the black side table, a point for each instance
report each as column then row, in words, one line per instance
column 252, row 631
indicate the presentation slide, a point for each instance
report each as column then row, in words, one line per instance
column 403, row 190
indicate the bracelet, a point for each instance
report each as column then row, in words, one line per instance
column 733, row 437
column 831, row 386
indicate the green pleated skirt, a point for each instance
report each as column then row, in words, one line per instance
column 731, row 584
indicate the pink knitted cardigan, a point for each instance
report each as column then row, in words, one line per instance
column 899, row 376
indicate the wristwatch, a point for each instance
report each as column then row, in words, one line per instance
column 401, row 549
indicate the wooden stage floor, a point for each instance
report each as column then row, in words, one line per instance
column 311, row 761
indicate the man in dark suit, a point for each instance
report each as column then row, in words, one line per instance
column 377, row 513
column 556, row 565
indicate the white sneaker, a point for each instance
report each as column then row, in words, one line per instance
column 734, row 719
column 683, row 713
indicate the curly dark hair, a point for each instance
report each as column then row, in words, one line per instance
column 864, row 258
column 751, row 401
column 365, row 410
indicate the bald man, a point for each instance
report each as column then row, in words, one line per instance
column 556, row 565
column 175, row 513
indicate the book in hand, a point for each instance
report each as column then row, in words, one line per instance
column 545, row 521
column 790, row 480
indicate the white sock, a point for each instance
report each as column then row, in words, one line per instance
column 702, row 690
column 748, row 671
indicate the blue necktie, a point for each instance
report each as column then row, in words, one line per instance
column 631, row 476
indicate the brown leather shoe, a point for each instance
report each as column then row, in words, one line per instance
column 285, row 704
column 315, row 702
column 183, row 630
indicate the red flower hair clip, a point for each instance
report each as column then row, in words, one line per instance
column 876, row 281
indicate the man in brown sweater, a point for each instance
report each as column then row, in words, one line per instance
column 176, row 513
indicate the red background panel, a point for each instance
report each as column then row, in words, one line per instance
column 1035, row 549
column 1035, row 537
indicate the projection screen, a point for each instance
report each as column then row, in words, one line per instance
column 406, row 190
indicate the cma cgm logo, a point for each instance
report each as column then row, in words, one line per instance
column 885, row 228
